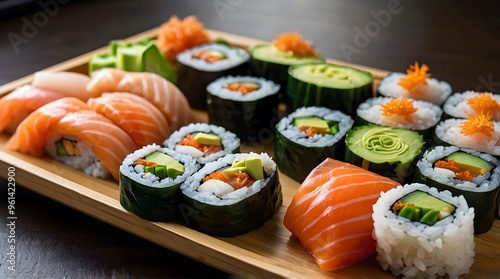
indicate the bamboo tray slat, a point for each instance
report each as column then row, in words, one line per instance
column 268, row 252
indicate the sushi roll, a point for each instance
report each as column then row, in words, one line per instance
column 333, row 86
column 244, row 105
column 308, row 136
column 233, row 195
column 423, row 233
column 272, row 61
column 204, row 142
column 199, row 66
column 461, row 105
column 415, row 84
column 465, row 172
column 388, row 151
column 420, row 116
column 149, row 181
column 477, row 132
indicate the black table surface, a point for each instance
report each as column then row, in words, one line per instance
column 459, row 40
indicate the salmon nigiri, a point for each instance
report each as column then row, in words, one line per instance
column 135, row 115
column 88, row 141
column 30, row 135
column 21, row 102
column 331, row 213
column 153, row 87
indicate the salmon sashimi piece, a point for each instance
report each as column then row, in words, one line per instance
column 30, row 135
column 153, row 87
column 135, row 115
column 18, row 104
column 72, row 84
column 331, row 213
column 96, row 142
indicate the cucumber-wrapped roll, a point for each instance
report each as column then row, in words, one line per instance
column 150, row 179
column 465, row 172
column 461, row 105
column 308, row 136
column 204, row 142
column 232, row 196
column 384, row 150
column 336, row 87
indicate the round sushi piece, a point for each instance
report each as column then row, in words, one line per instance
column 420, row 116
column 204, row 142
column 149, row 181
column 423, row 233
column 461, row 105
column 200, row 65
column 244, row 105
column 465, row 172
column 476, row 132
column 415, row 84
column 233, row 195
column 308, row 136
column 387, row 151
column 328, row 85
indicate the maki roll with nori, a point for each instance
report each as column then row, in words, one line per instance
column 333, row 86
column 308, row 136
column 150, row 179
column 199, row 66
column 204, row 142
column 400, row 112
column 415, row 84
column 244, row 105
column 461, row 105
column 465, row 172
column 233, row 195
column 423, row 233
column 387, row 151
column 271, row 61
column 477, row 132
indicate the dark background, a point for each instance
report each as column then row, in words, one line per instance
column 458, row 40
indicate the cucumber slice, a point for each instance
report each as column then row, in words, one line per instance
column 333, row 86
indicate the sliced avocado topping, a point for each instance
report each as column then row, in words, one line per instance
column 60, row 149
column 161, row 171
column 164, row 165
column 421, row 207
column 207, row 139
column 319, row 125
column 129, row 58
column 251, row 166
column 475, row 165
column 331, row 75
column 100, row 61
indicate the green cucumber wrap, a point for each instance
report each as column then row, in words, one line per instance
column 240, row 211
column 482, row 192
column 147, row 195
column 328, row 85
column 388, row 151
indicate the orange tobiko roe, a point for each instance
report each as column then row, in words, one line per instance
column 294, row 43
column 175, row 36
column 478, row 124
column 401, row 107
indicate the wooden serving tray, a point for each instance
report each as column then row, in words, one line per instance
column 268, row 252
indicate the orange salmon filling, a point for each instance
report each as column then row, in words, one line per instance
column 206, row 149
column 402, row 107
column 450, row 165
column 415, row 76
column 484, row 104
column 294, row 43
column 145, row 163
column 237, row 181
column 478, row 124
column 244, row 88
column 209, row 56
column 310, row 131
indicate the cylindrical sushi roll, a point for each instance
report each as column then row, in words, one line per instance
column 199, row 66
column 272, row 61
column 423, row 233
column 461, row 105
column 204, row 142
column 476, row 132
column 308, row 136
column 149, row 181
column 387, row 151
column 233, row 195
column 415, row 84
column 333, row 86
column 465, row 172
column 244, row 105
column 420, row 116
